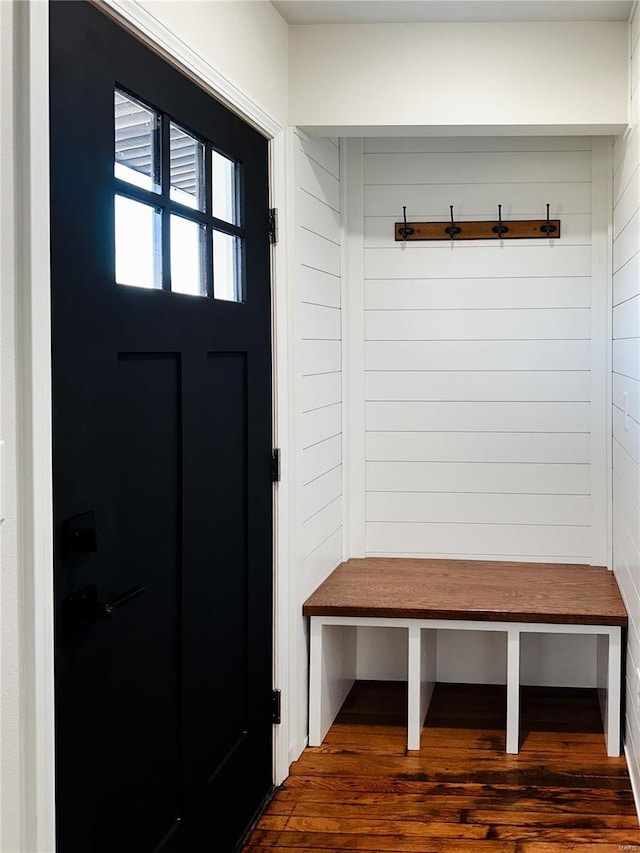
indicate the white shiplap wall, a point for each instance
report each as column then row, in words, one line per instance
column 316, row 285
column 626, row 392
column 479, row 394
column 478, row 385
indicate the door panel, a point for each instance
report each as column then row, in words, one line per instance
column 162, row 443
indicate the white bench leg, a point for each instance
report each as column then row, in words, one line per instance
column 421, row 681
column 513, row 691
column 614, row 675
column 414, row 726
column 332, row 672
column 315, row 682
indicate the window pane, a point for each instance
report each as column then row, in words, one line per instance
column 186, row 257
column 138, row 256
column 137, row 158
column 224, row 180
column 227, row 282
column 187, row 162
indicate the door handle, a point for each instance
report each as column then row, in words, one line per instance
column 111, row 606
column 82, row 608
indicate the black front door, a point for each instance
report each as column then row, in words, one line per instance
column 162, row 446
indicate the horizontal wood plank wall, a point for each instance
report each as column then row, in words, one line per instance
column 318, row 322
column 626, row 392
column 478, row 355
column 478, row 386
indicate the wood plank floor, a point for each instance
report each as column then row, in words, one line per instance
column 361, row 791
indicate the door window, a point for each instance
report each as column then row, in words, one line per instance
column 178, row 207
column 137, row 148
column 138, row 259
column 186, row 165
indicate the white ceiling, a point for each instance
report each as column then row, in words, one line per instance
column 415, row 11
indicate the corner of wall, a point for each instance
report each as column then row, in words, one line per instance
column 315, row 330
column 626, row 392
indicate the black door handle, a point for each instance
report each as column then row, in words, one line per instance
column 82, row 608
column 111, row 606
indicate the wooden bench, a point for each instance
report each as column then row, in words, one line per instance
column 424, row 596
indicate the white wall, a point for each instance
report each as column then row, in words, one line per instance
column 315, row 281
column 10, row 682
column 626, row 393
column 483, row 419
column 246, row 41
column 530, row 77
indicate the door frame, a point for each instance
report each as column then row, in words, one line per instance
column 34, row 401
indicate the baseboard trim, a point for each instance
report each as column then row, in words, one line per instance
column 635, row 781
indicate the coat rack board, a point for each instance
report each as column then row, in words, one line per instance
column 513, row 229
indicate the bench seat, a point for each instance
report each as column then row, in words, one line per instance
column 456, row 589
column 424, row 596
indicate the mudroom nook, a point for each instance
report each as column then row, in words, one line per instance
column 454, row 437
column 475, row 423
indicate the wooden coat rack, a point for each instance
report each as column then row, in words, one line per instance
column 514, row 229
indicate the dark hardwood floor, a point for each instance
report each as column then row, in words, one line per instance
column 361, row 791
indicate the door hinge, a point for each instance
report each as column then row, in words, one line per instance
column 275, row 465
column 275, row 707
column 273, row 225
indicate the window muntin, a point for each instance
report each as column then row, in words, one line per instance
column 178, row 207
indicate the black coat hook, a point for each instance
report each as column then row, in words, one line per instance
column 452, row 229
column 500, row 229
column 405, row 231
column 549, row 227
